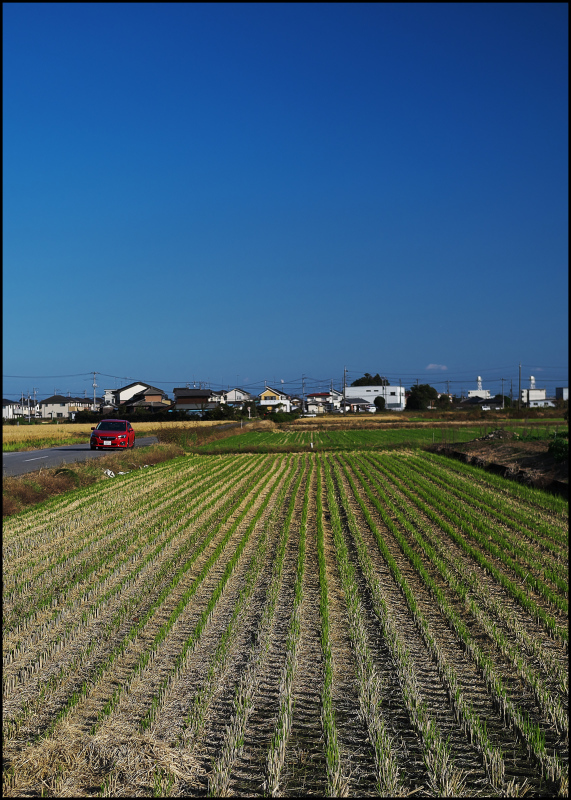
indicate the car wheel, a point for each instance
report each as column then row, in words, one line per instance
column 92, row 447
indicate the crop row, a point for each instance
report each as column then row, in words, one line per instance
column 339, row 623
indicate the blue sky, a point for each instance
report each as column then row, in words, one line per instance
column 239, row 193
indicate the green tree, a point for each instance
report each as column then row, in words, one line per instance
column 380, row 403
column 420, row 397
column 371, row 380
column 443, row 401
column 497, row 400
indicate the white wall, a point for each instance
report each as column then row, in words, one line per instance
column 394, row 395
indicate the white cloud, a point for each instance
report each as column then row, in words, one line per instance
column 437, row 366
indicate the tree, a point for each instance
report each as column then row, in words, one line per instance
column 380, row 403
column 420, row 397
column 443, row 401
column 497, row 400
column 221, row 411
column 370, row 380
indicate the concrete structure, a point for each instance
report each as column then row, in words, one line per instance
column 394, row 395
column 483, row 394
column 534, row 397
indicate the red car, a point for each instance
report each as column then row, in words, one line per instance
column 112, row 433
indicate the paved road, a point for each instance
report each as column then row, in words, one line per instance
column 32, row 460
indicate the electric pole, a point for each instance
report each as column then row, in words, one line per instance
column 303, row 394
column 94, row 387
column 503, row 399
column 519, row 390
column 344, row 387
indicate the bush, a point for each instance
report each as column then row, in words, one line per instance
column 559, row 449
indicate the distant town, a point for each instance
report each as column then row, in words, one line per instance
column 365, row 395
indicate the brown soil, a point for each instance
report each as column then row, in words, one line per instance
column 529, row 461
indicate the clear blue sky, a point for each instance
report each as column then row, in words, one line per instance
column 239, row 193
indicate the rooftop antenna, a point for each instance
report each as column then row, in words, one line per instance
column 479, row 383
column 531, row 382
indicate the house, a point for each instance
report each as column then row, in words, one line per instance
column 315, row 406
column 323, row 402
column 58, row 406
column 274, row 401
column 150, row 399
column 138, row 395
column 394, row 396
column 355, row 404
column 237, row 397
column 133, row 393
column 193, row 401
column 12, row 409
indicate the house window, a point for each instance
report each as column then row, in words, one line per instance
column 59, row 415
column 393, row 393
column 62, row 405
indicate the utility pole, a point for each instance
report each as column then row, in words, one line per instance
column 503, row 399
column 94, row 387
column 512, row 391
column 519, row 390
column 344, row 388
column 303, row 394
column 35, row 389
column 28, row 406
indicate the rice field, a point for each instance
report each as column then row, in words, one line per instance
column 336, row 623
column 21, row 437
column 356, row 439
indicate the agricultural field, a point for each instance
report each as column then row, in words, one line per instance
column 361, row 439
column 31, row 437
column 343, row 623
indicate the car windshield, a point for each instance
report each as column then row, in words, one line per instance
column 112, row 425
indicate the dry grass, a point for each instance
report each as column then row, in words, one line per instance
column 18, row 433
column 76, row 762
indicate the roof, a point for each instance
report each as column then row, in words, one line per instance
column 275, row 391
column 135, row 383
column 186, row 392
column 60, row 398
column 148, row 403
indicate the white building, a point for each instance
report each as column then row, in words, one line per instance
column 562, row 393
column 394, row 395
column 237, row 397
column 483, row 394
column 534, row 397
column 12, row 409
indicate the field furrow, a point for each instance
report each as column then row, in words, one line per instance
column 327, row 621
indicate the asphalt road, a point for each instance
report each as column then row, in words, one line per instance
column 32, row 460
